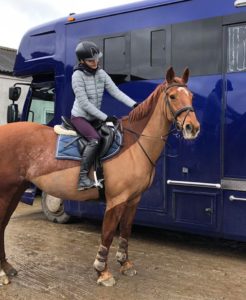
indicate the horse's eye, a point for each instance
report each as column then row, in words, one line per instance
column 172, row 97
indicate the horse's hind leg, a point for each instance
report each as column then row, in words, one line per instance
column 110, row 223
column 127, row 267
column 8, row 205
column 4, row 204
column 9, row 270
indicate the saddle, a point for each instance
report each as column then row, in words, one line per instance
column 106, row 132
column 70, row 145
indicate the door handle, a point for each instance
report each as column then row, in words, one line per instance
column 209, row 210
column 232, row 198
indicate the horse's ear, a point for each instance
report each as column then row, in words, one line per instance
column 170, row 75
column 185, row 75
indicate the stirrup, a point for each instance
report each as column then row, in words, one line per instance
column 98, row 183
column 81, row 187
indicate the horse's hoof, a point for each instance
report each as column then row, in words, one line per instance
column 106, row 279
column 3, row 278
column 128, row 269
column 9, row 269
column 129, row 272
column 106, row 282
column 11, row 272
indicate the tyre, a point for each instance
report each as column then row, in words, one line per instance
column 53, row 209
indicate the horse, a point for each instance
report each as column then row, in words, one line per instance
column 27, row 154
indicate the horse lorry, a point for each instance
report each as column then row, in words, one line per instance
column 200, row 185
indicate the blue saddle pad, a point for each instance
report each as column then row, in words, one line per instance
column 67, row 147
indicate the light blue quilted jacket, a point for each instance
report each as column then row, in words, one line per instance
column 89, row 89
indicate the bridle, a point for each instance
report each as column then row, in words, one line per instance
column 175, row 115
column 178, row 112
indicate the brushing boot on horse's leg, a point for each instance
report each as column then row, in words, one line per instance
column 88, row 157
column 127, row 267
column 110, row 222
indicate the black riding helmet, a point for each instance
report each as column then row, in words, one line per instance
column 87, row 50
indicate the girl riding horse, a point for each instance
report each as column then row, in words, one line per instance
column 27, row 154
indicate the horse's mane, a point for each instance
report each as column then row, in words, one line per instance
column 147, row 106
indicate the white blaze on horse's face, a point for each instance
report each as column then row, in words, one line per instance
column 190, row 125
column 184, row 90
column 181, row 102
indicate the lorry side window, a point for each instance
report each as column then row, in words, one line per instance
column 116, row 55
column 236, row 48
column 158, row 44
column 150, row 52
column 197, row 44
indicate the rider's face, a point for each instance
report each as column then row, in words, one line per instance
column 92, row 63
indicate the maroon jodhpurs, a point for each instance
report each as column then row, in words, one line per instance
column 85, row 128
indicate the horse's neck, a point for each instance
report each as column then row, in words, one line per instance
column 154, row 132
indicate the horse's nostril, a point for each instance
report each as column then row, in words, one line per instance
column 188, row 127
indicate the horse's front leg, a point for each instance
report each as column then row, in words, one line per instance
column 110, row 222
column 127, row 267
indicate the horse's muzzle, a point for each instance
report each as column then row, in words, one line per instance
column 191, row 131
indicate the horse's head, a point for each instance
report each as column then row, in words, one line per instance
column 178, row 104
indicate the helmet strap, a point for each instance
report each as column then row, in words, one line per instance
column 86, row 69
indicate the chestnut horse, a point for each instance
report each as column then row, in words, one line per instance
column 28, row 155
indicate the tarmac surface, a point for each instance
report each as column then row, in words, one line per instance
column 54, row 262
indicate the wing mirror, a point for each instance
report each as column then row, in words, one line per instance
column 13, row 113
column 14, row 93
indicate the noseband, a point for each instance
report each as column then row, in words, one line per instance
column 178, row 112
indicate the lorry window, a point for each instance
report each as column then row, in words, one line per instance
column 236, row 54
column 197, row 44
column 40, row 45
column 150, row 52
column 42, row 103
column 158, row 42
column 116, row 55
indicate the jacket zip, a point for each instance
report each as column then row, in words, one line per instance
column 95, row 84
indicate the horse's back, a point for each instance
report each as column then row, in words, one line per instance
column 22, row 128
column 21, row 139
column 24, row 133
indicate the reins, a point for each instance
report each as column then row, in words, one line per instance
column 138, row 135
column 162, row 137
column 141, row 146
column 175, row 115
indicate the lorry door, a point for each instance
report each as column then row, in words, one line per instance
column 234, row 129
column 193, row 166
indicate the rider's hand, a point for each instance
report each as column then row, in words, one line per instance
column 112, row 119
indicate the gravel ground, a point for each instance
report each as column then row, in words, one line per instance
column 54, row 262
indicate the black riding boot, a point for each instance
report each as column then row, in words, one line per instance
column 87, row 160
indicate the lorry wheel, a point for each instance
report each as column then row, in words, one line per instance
column 53, row 209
